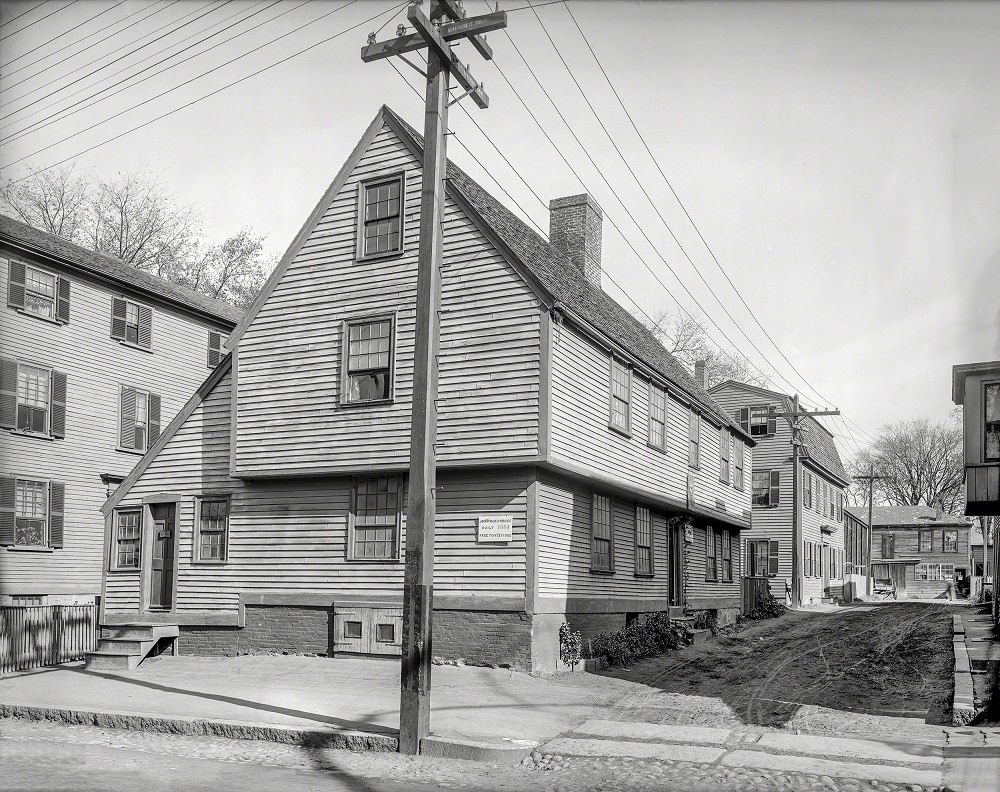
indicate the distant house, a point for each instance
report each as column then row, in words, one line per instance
column 822, row 481
column 96, row 358
column 924, row 552
column 856, row 550
column 583, row 475
column 981, row 557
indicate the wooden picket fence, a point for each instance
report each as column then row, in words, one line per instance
column 755, row 589
column 36, row 636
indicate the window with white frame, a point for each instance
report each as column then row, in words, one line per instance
column 738, row 465
column 127, row 538
column 602, row 545
column 711, row 554
column 657, row 417
column 213, row 529
column 643, row 541
column 139, row 419
column 621, row 394
column 949, row 540
column 382, row 217
column 766, row 487
column 33, row 398
column 727, row 556
column 762, row 558
column 758, row 421
column 991, row 428
column 694, row 439
column 131, row 322
column 934, row 572
column 31, row 513
column 724, row 455
column 39, row 292
column 368, row 352
column 925, row 540
column 376, row 519
column 807, row 490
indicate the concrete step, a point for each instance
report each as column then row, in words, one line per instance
column 132, row 646
column 700, row 636
column 112, row 661
column 142, row 632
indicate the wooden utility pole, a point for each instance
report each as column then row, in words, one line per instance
column 871, row 478
column 795, row 419
column 447, row 23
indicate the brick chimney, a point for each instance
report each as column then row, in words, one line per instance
column 575, row 229
column 701, row 373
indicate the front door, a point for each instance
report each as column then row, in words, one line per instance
column 161, row 578
column 825, row 569
column 676, row 563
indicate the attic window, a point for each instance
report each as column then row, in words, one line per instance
column 992, row 428
column 381, row 232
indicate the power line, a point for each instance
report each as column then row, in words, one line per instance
column 394, row 8
column 65, row 32
column 61, row 8
column 62, row 115
column 23, row 13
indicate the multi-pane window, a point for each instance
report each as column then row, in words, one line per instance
column 888, row 546
column 139, row 422
column 840, row 506
column 39, row 293
column 213, row 526
column 657, row 417
column 758, row 421
column 31, row 512
column 925, row 540
column 128, row 537
column 724, row 455
column 738, row 466
column 711, row 555
column 369, row 360
column 766, row 487
column 949, row 541
column 643, row 541
column 934, row 572
column 383, row 217
column 621, row 394
column 601, row 537
column 694, row 438
column 807, row 490
column 33, row 398
column 727, row 556
column 377, row 504
column 832, row 503
column 762, row 558
column 131, row 322
column 992, row 428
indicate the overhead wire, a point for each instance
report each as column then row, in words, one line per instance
column 40, row 19
column 76, row 27
column 23, row 13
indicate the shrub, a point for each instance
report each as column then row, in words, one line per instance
column 705, row 620
column 769, row 607
column 570, row 645
column 651, row 634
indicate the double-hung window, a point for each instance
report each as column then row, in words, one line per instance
column 888, row 546
column 991, row 430
column 621, row 395
column 949, row 541
column 131, row 322
column 925, row 540
column 37, row 292
column 368, row 352
column 602, row 543
column 33, row 398
column 807, row 490
column 31, row 512
column 711, row 554
column 657, row 417
column 758, row 421
column 375, row 519
column 382, row 217
column 127, row 539
column 643, row 541
column 724, row 455
column 727, row 556
column 212, row 529
column 766, row 487
column 762, row 558
column 139, row 419
column 694, row 439
column 738, row 466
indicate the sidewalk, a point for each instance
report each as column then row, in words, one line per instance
column 353, row 703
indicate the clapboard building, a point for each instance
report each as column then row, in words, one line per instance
column 96, row 357
column 583, row 475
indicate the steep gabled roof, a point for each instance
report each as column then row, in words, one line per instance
column 906, row 517
column 115, row 270
column 817, row 438
column 567, row 286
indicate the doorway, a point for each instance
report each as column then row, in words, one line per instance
column 676, row 562
column 162, row 563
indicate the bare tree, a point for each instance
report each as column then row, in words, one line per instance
column 684, row 337
column 233, row 271
column 54, row 200
column 919, row 463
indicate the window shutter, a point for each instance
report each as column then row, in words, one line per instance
column 772, row 420
column 126, row 429
column 62, row 301
column 154, row 420
column 7, row 486
column 8, row 393
column 772, row 558
column 743, row 418
column 15, row 284
column 118, row 318
column 774, row 496
column 57, row 497
column 57, row 422
column 145, row 326
column 214, row 348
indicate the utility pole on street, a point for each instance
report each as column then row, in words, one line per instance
column 871, row 478
column 446, row 26
column 795, row 419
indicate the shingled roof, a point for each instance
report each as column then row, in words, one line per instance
column 906, row 517
column 110, row 268
column 567, row 285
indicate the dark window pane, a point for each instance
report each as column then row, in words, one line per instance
column 352, row 629
column 385, row 633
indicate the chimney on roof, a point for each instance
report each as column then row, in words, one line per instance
column 575, row 230
column 701, row 373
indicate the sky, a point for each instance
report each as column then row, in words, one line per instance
column 840, row 160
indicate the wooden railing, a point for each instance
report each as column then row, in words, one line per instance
column 36, row 636
column 755, row 589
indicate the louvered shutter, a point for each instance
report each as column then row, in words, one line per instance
column 7, row 486
column 126, row 429
column 57, row 421
column 8, row 393
column 62, row 301
column 57, row 497
column 118, row 310
column 724, row 455
column 154, row 419
column 774, row 496
column 15, row 284
column 772, row 558
column 743, row 418
column 772, row 420
column 145, row 326
column 214, row 348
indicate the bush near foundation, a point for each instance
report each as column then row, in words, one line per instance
column 769, row 607
column 650, row 634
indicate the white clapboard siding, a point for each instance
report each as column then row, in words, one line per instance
column 695, row 583
column 580, row 433
column 288, row 536
column 288, row 416
column 564, row 547
column 95, row 366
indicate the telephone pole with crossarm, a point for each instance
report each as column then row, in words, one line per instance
column 446, row 26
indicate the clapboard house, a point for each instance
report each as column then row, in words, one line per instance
column 822, row 481
column 96, row 357
column 583, row 475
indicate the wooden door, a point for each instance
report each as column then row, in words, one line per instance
column 352, row 630
column 161, row 576
column 386, row 631
column 825, row 569
column 676, row 564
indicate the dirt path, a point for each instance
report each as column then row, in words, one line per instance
column 892, row 659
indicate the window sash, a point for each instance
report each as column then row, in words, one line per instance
column 724, row 441
column 39, row 292
column 601, row 534
column 925, row 541
column 657, row 417
column 213, row 529
column 738, row 466
column 888, row 546
column 621, row 394
column 128, row 538
column 991, row 420
column 643, row 541
column 368, row 348
column 727, row 556
column 694, row 438
column 382, row 223
column 761, row 488
column 949, row 541
column 758, row 421
column 31, row 513
column 711, row 555
column 377, row 503
column 33, row 398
